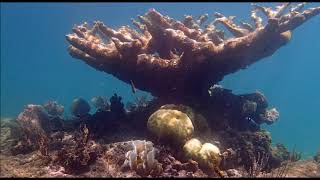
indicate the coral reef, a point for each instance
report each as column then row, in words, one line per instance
column 198, row 56
column 191, row 128
column 241, row 112
column 35, row 126
column 279, row 154
column 225, row 149
column 243, row 147
column 109, row 165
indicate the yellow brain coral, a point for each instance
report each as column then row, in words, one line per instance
column 209, row 156
column 173, row 124
column 192, row 148
column 199, row 121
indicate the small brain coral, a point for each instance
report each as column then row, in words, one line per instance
column 199, row 121
column 192, row 148
column 207, row 154
column 172, row 124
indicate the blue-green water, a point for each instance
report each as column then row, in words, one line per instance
column 36, row 67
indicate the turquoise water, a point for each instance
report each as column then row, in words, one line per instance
column 36, row 67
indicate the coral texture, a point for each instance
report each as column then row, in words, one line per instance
column 143, row 158
column 172, row 124
column 183, row 58
column 77, row 158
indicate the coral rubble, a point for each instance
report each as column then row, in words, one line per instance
column 193, row 58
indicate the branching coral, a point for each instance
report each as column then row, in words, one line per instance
column 173, row 57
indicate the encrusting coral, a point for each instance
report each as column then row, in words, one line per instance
column 193, row 58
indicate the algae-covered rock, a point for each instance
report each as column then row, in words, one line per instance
column 10, row 132
column 12, row 126
column 172, row 124
column 191, row 148
column 209, row 156
column 279, row 154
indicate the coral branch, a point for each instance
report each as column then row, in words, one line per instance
column 169, row 57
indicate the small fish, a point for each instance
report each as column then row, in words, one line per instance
column 133, row 88
column 252, row 122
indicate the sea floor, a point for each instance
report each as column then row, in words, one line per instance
column 109, row 164
column 115, row 143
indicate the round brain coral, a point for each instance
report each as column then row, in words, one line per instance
column 172, row 124
column 209, row 156
column 191, row 148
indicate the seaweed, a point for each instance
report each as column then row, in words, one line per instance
column 77, row 158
